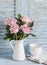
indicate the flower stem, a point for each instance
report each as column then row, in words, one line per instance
column 16, row 36
column 23, row 36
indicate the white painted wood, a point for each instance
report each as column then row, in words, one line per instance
column 37, row 0
column 37, row 11
column 6, row 11
column 21, row 7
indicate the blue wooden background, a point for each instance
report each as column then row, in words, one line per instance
column 37, row 11
column 7, row 10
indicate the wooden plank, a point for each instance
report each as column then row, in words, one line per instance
column 38, row 12
column 6, row 11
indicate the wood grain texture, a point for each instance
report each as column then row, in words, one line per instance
column 38, row 0
column 33, row 10
column 37, row 11
column 7, row 10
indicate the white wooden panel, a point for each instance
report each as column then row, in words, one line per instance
column 37, row 11
column 38, row 0
column 7, row 9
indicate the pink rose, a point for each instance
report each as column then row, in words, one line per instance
column 14, row 28
column 25, row 29
column 10, row 21
column 26, row 19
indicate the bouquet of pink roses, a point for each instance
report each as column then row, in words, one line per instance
column 18, row 28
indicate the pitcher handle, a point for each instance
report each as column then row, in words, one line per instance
column 11, row 44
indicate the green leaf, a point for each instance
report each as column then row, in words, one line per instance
column 26, row 35
column 33, row 35
column 31, row 25
column 5, row 38
column 7, row 28
column 19, row 16
column 8, row 36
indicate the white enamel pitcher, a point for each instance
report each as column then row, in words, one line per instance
column 18, row 49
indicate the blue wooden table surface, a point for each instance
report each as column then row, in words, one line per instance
column 6, row 57
column 7, row 60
